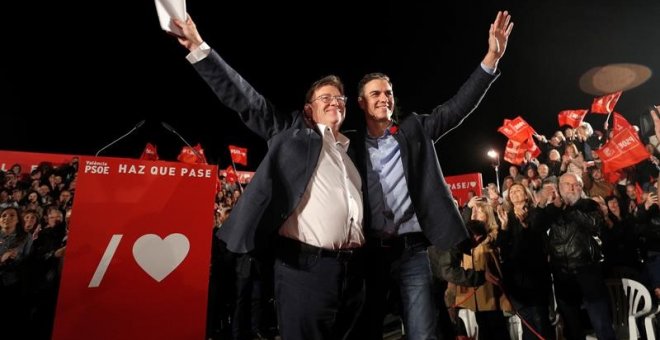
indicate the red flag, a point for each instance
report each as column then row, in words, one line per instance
column 639, row 192
column 194, row 155
column 517, row 129
column 150, row 153
column 572, row 118
column 514, row 152
column 605, row 104
column 623, row 150
column 231, row 176
column 238, row 155
column 619, row 123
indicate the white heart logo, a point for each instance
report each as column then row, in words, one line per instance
column 473, row 184
column 159, row 257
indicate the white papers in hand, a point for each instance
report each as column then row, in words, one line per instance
column 169, row 9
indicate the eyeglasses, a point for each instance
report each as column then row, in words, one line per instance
column 571, row 185
column 327, row 99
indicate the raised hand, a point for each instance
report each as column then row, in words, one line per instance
column 191, row 38
column 503, row 216
column 498, row 37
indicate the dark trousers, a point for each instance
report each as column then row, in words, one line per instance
column 584, row 285
column 492, row 325
column 317, row 295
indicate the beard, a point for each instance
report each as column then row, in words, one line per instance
column 570, row 198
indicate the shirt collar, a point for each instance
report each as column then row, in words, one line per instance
column 391, row 130
column 326, row 132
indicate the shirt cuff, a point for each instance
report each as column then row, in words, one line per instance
column 487, row 69
column 202, row 52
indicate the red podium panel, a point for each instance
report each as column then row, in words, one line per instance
column 138, row 252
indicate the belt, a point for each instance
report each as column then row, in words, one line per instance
column 294, row 247
column 408, row 240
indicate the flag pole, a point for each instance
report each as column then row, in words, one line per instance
column 238, row 180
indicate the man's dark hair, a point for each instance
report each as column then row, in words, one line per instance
column 331, row 80
column 369, row 77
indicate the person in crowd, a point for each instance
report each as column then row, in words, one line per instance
column 529, row 162
column 554, row 163
column 407, row 203
column 621, row 240
column 575, row 258
column 649, row 217
column 487, row 300
column 572, row 161
column 306, row 196
column 34, row 202
column 514, row 172
column 521, row 242
column 596, row 185
column 221, row 295
column 44, row 268
column 14, row 245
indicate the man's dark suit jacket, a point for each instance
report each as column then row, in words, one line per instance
column 294, row 147
column 433, row 203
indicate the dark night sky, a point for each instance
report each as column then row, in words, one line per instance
column 129, row 70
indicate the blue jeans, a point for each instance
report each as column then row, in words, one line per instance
column 417, row 300
column 407, row 270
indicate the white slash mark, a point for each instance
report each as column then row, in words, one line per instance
column 105, row 261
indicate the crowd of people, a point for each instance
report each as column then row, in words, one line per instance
column 559, row 228
column 35, row 207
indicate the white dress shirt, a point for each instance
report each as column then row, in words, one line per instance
column 329, row 214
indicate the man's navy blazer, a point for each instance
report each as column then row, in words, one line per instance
column 294, row 146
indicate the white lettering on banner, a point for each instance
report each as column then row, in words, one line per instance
column 94, row 167
column 608, row 152
column 125, row 169
column 206, row 173
column 626, row 142
column 463, row 185
column 163, row 170
column 519, row 125
column 573, row 115
column 155, row 170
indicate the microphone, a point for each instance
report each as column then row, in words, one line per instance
column 169, row 128
column 137, row 126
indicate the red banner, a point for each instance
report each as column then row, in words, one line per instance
column 138, row 254
column 623, row 150
column 517, row 129
column 30, row 160
column 572, row 118
column 605, row 104
column 460, row 185
column 238, row 155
